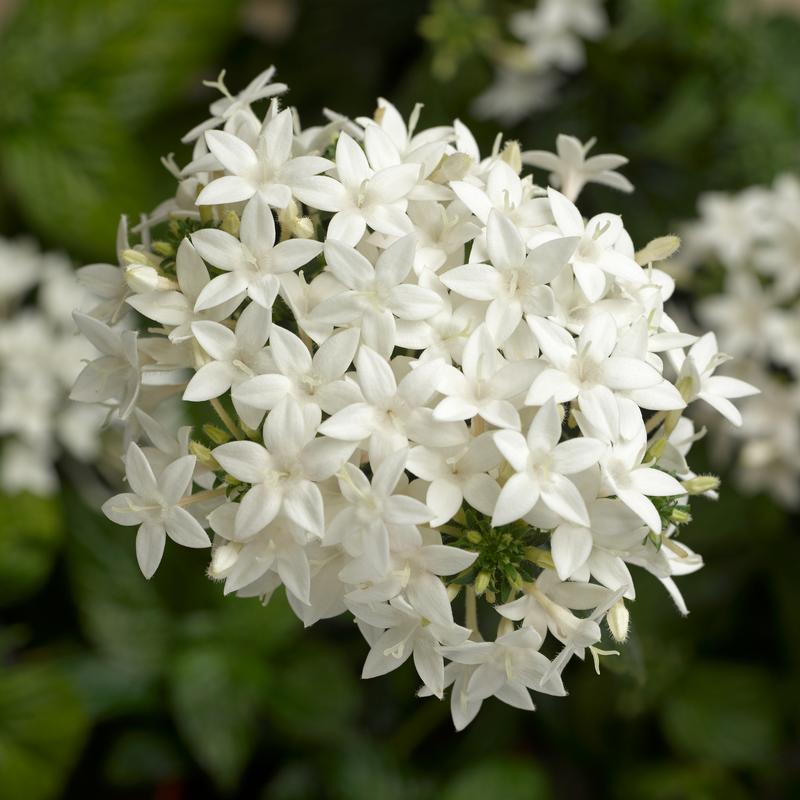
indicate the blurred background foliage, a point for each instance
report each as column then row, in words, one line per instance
column 117, row 687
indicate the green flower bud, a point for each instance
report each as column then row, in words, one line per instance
column 217, row 435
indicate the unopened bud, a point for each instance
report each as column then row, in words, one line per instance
column 165, row 249
column 658, row 250
column 230, row 223
column 474, row 537
column 222, row 559
column 203, row 455
column 618, row 619
column 206, row 212
column 701, row 484
column 217, row 435
column 482, row 582
column 453, row 590
column 540, row 557
column 143, row 278
column 451, row 168
column 512, row 155
column 679, row 516
column 504, row 627
column 250, row 433
column 293, row 225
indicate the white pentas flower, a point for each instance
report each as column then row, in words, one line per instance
column 748, row 241
column 266, row 169
column 40, row 358
column 570, row 169
column 154, row 504
column 433, row 381
column 253, row 262
column 548, row 39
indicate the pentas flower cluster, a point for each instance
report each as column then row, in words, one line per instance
column 435, row 383
column 741, row 257
column 548, row 39
column 40, row 357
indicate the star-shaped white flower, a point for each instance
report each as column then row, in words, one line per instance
column 253, row 263
column 487, row 385
column 392, row 413
column 540, row 465
column 267, row 170
column 516, row 281
column 176, row 309
column 154, row 504
column 374, row 295
column 363, row 196
column 284, row 472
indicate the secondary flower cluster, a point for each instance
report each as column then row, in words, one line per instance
column 40, row 356
column 548, row 41
column 435, row 383
column 741, row 256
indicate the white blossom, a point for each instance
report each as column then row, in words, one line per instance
column 433, row 379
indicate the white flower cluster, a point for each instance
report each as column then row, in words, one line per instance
column 438, row 383
column 550, row 42
column 40, row 356
column 745, row 247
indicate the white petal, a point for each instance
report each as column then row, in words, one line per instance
column 560, row 495
column 234, row 154
column 246, row 461
column 184, row 529
column 570, row 546
column 517, row 498
column 150, row 541
column 302, row 502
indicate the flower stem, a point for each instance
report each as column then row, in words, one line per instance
column 471, row 613
column 232, row 427
column 205, row 495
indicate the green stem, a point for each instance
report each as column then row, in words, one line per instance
column 227, row 421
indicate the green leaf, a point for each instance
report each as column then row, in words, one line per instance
column 73, row 186
column 120, row 611
column 86, row 76
column 725, row 713
column 142, row 757
column 316, row 694
column 42, row 729
column 217, row 696
column 673, row 781
column 30, row 538
column 363, row 773
column 132, row 57
column 509, row 778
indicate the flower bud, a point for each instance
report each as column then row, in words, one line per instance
column 217, row 435
column 230, row 223
column 223, row 559
column 482, row 582
column 165, row 249
column 504, row 627
column 658, row 250
column 618, row 619
column 512, row 155
column 679, row 516
column 474, row 537
column 453, row 590
column 144, row 278
column 451, row 168
column 293, row 225
column 203, row 456
column 701, row 484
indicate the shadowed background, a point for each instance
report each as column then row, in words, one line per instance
column 117, row 687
